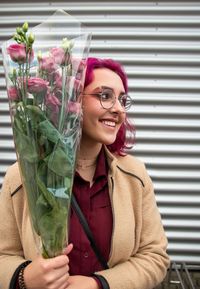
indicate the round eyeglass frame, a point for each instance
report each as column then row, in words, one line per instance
column 99, row 94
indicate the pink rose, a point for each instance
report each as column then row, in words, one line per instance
column 78, row 64
column 74, row 107
column 59, row 55
column 52, row 100
column 48, row 64
column 58, row 80
column 17, row 53
column 52, row 103
column 13, row 93
column 37, row 85
column 75, row 85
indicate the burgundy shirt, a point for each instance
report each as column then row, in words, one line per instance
column 95, row 204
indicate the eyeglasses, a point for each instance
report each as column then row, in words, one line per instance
column 107, row 98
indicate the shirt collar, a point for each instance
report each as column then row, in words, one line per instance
column 102, row 167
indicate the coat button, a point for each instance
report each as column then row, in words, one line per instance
column 86, row 255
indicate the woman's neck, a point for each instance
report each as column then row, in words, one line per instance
column 86, row 160
column 89, row 151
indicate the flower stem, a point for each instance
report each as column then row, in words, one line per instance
column 63, row 102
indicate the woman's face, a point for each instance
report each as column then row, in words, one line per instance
column 101, row 125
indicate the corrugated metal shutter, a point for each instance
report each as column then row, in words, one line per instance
column 159, row 44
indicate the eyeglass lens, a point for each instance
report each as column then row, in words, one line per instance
column 108, row 99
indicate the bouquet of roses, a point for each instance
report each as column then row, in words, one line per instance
column 44, row 85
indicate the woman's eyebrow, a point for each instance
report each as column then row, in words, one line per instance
column 110, row 88
column 103, row 87
column 107, row 87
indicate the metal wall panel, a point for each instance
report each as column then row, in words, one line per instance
column 158, row 42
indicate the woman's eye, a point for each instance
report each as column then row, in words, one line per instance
column 122, row 100
column 106, row 95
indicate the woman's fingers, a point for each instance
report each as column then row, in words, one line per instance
column 68, row 249
column 56, row 262
column 47, row 273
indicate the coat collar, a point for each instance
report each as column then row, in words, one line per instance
column 127, row 164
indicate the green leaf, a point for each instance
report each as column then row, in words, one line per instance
column 50, row 199
column 52, row 215
column 39, row 97
column 56, row 158
column 47, row 130
column 60, row 192
column 35, row 112
column 53, row 230
column 29, row 176
column 25, row 145
column 18, row 126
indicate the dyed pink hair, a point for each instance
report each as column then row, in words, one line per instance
column 121, row 143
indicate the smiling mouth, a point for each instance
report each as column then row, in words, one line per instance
column 109, row 123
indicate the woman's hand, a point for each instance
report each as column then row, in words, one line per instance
column 82, row 282
column 48, row 273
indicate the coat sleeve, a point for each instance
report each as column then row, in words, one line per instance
column 147, row 267
column 11, row 252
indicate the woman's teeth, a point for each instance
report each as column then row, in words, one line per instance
column 109, row 123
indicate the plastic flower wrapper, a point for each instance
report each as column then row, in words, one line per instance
column 45, row 71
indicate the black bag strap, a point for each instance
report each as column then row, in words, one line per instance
column 87, row 231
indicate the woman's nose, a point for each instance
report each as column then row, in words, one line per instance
column 117, row 106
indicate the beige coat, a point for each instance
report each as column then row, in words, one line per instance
column 138, row 258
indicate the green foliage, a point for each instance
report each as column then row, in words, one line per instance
column 46, row 151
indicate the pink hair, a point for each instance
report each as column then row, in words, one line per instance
column 121, row 143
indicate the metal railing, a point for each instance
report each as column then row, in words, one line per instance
column 182, row 276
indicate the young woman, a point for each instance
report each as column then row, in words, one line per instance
column 115, row 194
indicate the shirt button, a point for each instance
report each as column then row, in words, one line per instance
column 86, row 255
